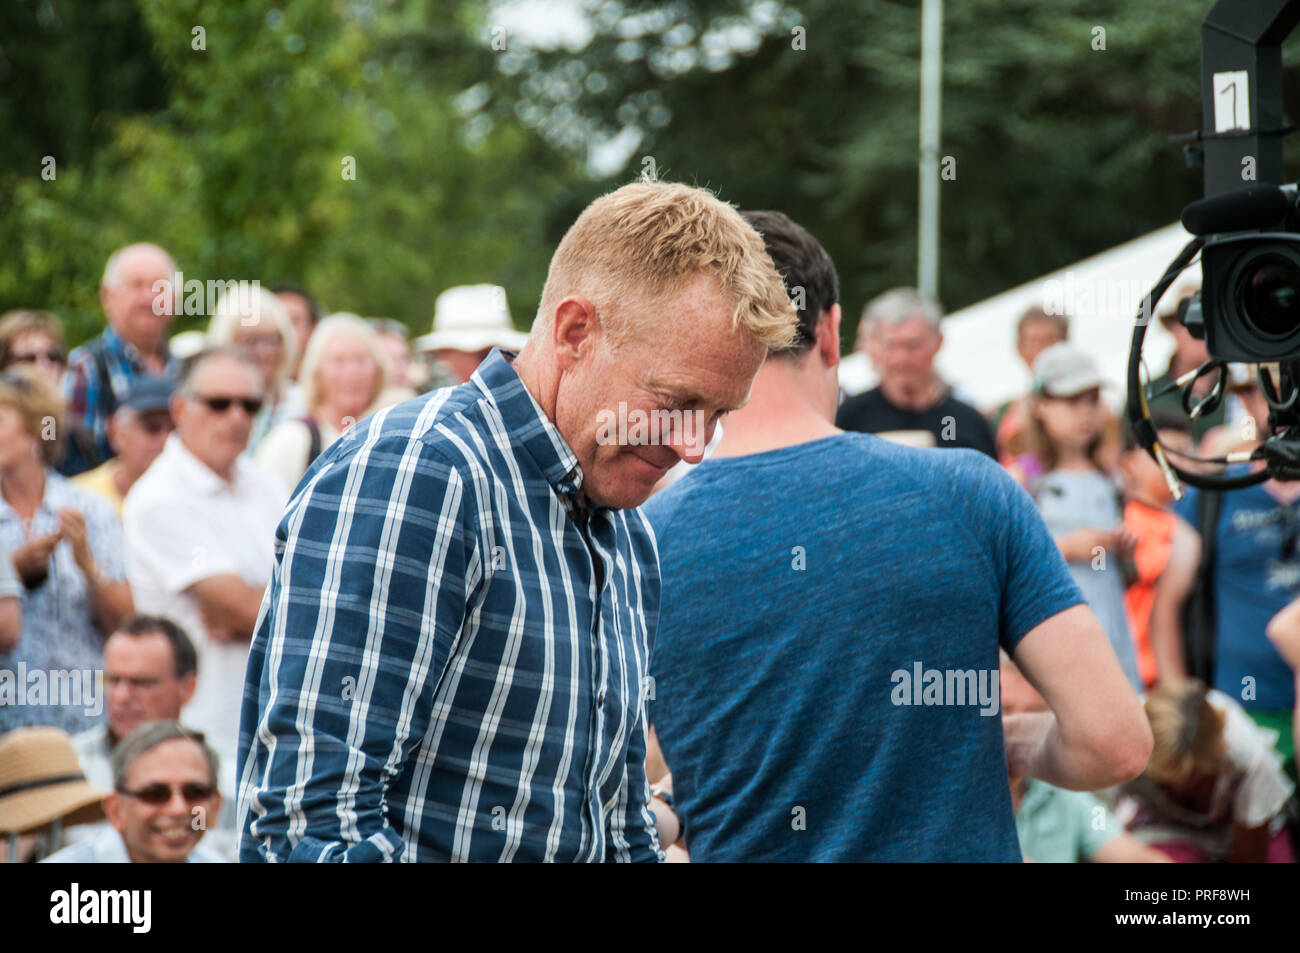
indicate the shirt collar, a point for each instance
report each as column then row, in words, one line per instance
column 115, row 343
column 198, row 475
column 108, row 847
column 1036, row 795
column 527, row 422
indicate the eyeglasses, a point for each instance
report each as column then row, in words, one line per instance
column 219, row 405
column 157, row 794
column 53, row 355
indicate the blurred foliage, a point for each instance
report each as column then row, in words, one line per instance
column 233, row 157
column 1060, row 150
column 474, row 152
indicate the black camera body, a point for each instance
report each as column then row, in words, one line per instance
column 1247, row 237
column 1250, row 296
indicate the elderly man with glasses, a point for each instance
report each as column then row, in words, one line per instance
column 200, row 531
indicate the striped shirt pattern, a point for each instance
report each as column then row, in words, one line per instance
column 439, row 670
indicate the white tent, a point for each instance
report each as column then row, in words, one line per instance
column 1101, row 296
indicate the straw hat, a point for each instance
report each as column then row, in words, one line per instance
column 471, row 318
column 41, row 781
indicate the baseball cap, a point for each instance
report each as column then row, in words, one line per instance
column 149, row 394
column 1063, row 370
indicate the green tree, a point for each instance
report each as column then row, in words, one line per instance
column 1059, row 149
column 320, row 143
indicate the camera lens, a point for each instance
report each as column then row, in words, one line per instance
column 1268, row 296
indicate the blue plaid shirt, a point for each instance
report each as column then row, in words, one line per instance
column 84, row 393
column 439, row 670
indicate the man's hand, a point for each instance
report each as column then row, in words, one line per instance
column 32, row 558
column 228, row 606
column 667, row 823
column 216, row 629
column 1097, row 734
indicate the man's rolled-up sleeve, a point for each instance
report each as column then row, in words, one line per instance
column 364, row 606
column 631, row 826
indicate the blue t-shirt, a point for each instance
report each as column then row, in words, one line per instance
column 1252, row 583
column 818, row 600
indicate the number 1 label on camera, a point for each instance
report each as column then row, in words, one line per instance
column 1231, row 100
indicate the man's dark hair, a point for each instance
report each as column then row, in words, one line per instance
column 149, row 736
column 802, row 264
column 313, row 306
column 1162, row 418
column 183, row 654
column 191, row 365
column 1060, row 322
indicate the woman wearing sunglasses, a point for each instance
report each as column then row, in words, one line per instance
column 33, row 339
column 66, row 545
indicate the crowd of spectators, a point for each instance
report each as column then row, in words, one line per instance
column 140, row 495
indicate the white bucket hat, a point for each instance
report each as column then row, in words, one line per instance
column 471, row 318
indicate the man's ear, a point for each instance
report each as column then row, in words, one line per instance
column 110, row 431
column 575, row 330
column 187, row 688
column 828, row 336
column 113, row 810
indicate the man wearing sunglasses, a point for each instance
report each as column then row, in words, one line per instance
column 164, row 798
column 200, row 531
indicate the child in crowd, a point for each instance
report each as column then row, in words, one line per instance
column 1067, row 470
column 1036, row 331
column 1214, row 789
column 1154, row 598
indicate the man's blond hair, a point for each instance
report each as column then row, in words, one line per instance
column 647, row 240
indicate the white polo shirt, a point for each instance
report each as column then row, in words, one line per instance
column 184, row 523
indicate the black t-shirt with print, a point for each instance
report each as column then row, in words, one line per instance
column 952, row 423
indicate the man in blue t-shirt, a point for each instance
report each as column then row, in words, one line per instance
column 1255, row 574
column 826, row 667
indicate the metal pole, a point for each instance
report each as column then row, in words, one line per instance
column 927, row 242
